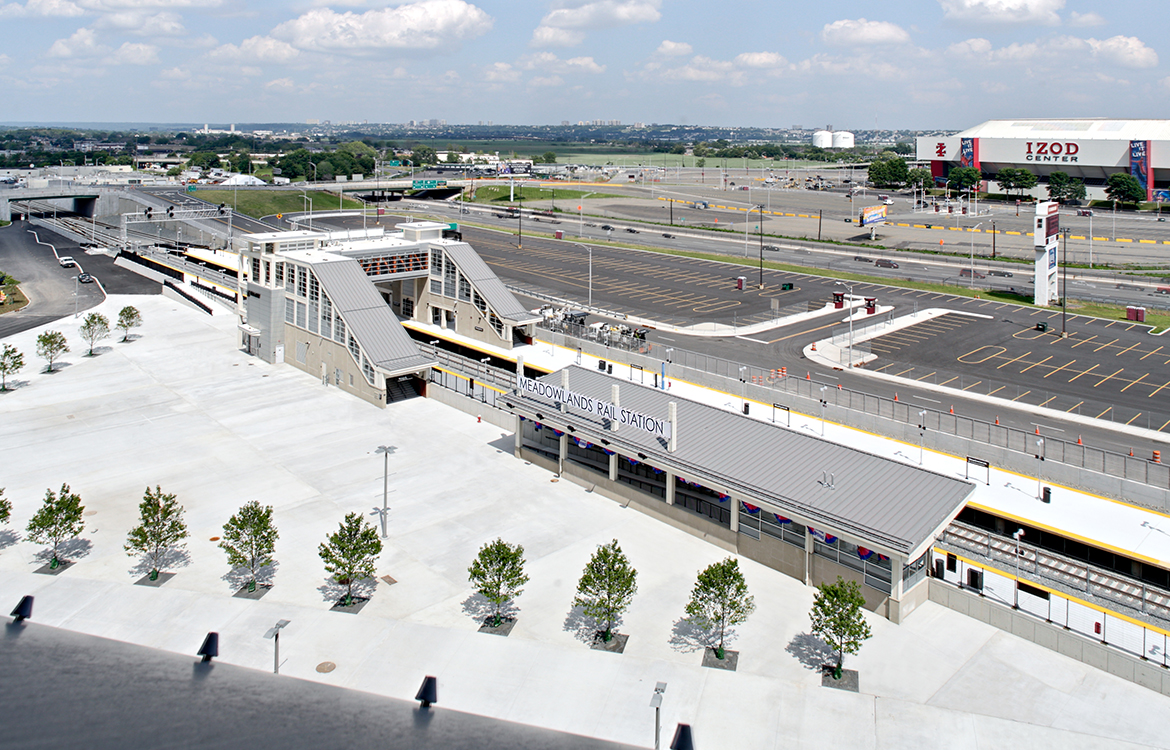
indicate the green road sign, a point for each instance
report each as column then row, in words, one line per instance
column 394, row 163
column 190, row 188
column 428, row 184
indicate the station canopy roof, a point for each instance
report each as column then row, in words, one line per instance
column 885, row 504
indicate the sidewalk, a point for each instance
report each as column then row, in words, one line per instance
column 181, row 407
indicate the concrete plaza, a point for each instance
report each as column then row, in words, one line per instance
column 181, row 407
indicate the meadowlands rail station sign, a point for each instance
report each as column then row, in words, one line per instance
column 561, row 395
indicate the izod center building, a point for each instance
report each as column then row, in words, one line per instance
column 1088, row 149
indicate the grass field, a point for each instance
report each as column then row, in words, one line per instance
column 503, row 194
column 14, row 299
column 260, row 203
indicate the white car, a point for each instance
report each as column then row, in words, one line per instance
column 67, row 261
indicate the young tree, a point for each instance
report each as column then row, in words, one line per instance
column 498, row 574
column 1025, row 181
column 160, row 527
column 1058, row 185
column 607, row 586
column 58, row 519
column 720, row 599
column 351, row 552
column 1124, row 188
column 128, row 317
column 837, row 619
column 549, row 157
column 5, row 507
column 94, row 328
column 964, row 177
column 1076, row 190
column 11, row 362
column 50, row 346
column 249, row 538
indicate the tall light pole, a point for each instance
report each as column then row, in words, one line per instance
column 273, row 634
column 973, row 253
column 850, row 288
column 921, row 434
column 824, row 403
column 385, row 450
column 1064, row 285
column 656, row 704
column 1039, row 464
column 761, row 208
column 1019, row 533
column 76, row 293
column 590, row 249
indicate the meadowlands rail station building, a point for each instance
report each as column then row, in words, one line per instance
column 1088, row 149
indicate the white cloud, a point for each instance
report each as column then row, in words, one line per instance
column 4, row 60
column 1003, row 11
column 83, row 43
column 136, row 54
column 1085, row 19
column 1060, row 52
column 547, row 62
column 760, row 60
column 546, row 81
column 175, row 74
column 142, row 24
column 501, row 72
column 426, row 24
column 281, row 84
column 673, row 49
column 116, row 5
column 565, row 27
column 258, row 49
column 848, row 33
column 41, row 8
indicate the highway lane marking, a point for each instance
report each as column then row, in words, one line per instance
column 1036, row 364
column 1135, row 382
column 1058, row 369
column 1153, row 352
column 1085, row 372
column 1107, row 377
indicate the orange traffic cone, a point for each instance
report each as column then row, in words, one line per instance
column 1079, row 440
column 1131, row 452
column 1037, row 429
column 895, row 395
column 952, row 408
column 807, row 375
column 997, row 420
column 814, row 346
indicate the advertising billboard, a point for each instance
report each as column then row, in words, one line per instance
column 873, row 215
column 1139, row 166
column 969, row 152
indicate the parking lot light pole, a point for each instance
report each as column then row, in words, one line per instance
column 824, row 403
column 385, row 451
column 590, row 249
column 1039, row 459
column 273, row 634
column 656, row 704
column 1019, row 533
column 1064, row 285
column 972, row 230
column 921, row 434
column 761, row 208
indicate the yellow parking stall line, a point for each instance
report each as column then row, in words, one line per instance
column 977, row 382
column 924, row 377
column 1111, row 343
column 1053, row 315
column 1135, row 382
column 1112, row 322
column 1168, row 420
column 1037, row 311
column 988, row 302
column 1058, row 369
column 1017, row 398
column 1029, row 367
column 1103, row 413
column 1085, row 372
column 1107, row 377
column 1131, row 327
column 1074, row 346
column 903, row 372
column 947, row 381
column 1158, row 389
column 1046, row 402
column 1069, row 409
column 997, row 390
column 1005, row 364
column 1135, row 416
column 1153, row 352
column 882, row 368
column 1123, row 351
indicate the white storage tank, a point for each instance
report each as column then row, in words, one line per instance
column 842, row 139
column 823, row 139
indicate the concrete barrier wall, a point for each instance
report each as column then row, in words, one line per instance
column 1050, row 636
column 1000, row 457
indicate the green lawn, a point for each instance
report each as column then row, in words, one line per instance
column 501, row 194
column 259, row 203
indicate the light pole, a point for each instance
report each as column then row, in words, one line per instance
column 761, row 209
column 973, row 253
column 742, row 388
column 824, row 403
column 921, row 434
column 656, row 704
column 590, row 249
column 385, row 450
column 1064, row 285
column 1090, row 240
column 273, row 634
column 850, row 288
column 76, row 292
column 305, row 197
column 1039, row 460
column 1019, row 533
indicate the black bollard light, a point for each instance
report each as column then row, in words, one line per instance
column 682, row 738
column 429, row 692
column 23, row 610
column 210, row 647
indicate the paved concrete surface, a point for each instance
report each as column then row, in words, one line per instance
column 181, row 407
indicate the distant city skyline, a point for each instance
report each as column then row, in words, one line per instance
column 922, row 64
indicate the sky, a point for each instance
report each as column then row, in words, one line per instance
column 908, row 64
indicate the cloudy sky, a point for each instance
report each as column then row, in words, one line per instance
column 903, row 64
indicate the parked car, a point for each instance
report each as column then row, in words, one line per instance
column 67, row 261
column 883, row 263
column 85, row 278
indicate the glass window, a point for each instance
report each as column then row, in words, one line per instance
column 314, row 316
column 436, row 262
column 338, row 330
column 301, row 314
column 302, row 280
column 367, row 369
column 407, row 307
column 497, row 324
column 256, row 270
column 354, row 349
column 464, row 288
column 449, row 279
column 290, row 310
column 436, row 287
column 326, row 317
column 280, row 274
column 478, row 301
column 314, row 287
column 267, row 272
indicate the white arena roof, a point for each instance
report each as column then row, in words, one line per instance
column 1102, row 129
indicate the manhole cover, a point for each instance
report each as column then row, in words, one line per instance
column 215, row 539
column 326, row 666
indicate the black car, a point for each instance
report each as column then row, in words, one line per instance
column 1000, row 273
column 774, row 248
column 85, row 278
column 631, row 230
column 607, row 227
column 862, row 259
column 668, row 236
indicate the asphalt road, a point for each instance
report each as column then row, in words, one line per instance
column 49, row 286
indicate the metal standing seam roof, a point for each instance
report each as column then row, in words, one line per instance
column 489, row 286
column 895, row 505
column 1085, row 129
column 374, row 325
